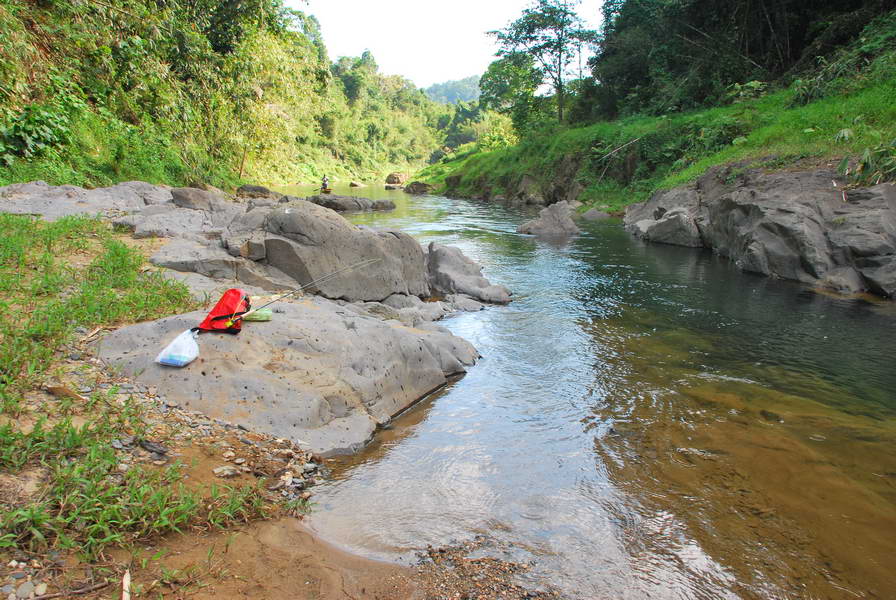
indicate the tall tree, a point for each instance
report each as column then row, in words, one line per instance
column 509, row 86
column 551, row 32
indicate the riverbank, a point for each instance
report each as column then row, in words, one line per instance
column 104, row 461
column 842, row 108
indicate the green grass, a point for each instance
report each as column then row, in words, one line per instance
column 45, row 299
column 56, row 278
column 671, row 150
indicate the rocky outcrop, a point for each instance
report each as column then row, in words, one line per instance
column 396, row 178
column 54, row 202
column 350, row 203
column 319, row 372
column 356, row 184
column 801, row 225
column 325, row 371
column 527, row 191
column 450, row 272
column 257, row 191
column 419, row 188
column 307, row 241
column 554, row 221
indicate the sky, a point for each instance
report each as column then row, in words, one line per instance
column 425, row 41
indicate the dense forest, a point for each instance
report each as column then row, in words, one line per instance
column 452, row 92
column 672, row 88
column 205, row 91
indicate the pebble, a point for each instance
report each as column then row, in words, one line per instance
column 25, row 590
column 171, row 404
column 239, row 461
column 226, row 471
column 7, row 589
column 40, row 589
column 228, row 455
column 18, row 575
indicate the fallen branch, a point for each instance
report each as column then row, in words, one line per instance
column 611, row 153
column 78, row 592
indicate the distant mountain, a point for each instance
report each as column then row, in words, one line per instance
column 452, row 92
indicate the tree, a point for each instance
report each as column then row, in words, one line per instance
column 551, row 33
column 508, row 86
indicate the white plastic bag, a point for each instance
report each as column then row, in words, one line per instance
column 181, row 352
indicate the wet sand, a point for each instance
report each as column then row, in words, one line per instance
column 271, row 560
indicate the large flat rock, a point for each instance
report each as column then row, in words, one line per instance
column 350, row 203
column 54, row 202
column 320, row 372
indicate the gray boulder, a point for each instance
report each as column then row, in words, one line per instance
column 356, row 184
column 257, row 191
column 191, row 212
column 319, row 373
column 554, row 221
column 208, row 258
column 197, row 199
column 350, row 203
column 396, row 178
column 166, row 220
column 799, row 225
column 307, row 241
column 419, row 188
column 54, row 202
column 450, row 272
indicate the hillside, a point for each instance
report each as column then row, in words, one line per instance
column 181, row 92
column 841, row 107
column 452, row 92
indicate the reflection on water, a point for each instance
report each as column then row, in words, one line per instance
column 646, row 422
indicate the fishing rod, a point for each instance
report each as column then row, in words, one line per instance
column 305, row 286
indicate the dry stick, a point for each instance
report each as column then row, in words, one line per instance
column 78, row 592
column 606, row 156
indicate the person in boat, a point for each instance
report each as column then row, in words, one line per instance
column 325, row 183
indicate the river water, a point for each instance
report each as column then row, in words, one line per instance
column 646, row 422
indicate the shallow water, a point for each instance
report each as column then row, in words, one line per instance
column 646, row 421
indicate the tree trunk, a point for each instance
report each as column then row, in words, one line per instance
column 560, row 99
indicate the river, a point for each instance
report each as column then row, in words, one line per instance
column 646, row 422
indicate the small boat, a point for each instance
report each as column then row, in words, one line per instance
column 326, row 190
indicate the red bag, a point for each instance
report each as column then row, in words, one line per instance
column 233, row 303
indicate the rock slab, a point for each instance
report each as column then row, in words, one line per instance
column 319, row 372
column 350, row 203
column 801, row 225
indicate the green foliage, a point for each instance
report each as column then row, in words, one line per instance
column 660, row 57
column 875, row 165
column 208, row 90
column 453, row 92
column 509, row 86
column 551, row 33
column 624, row 161
column 86, row 502
column 872, row 58
column 45, row 300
